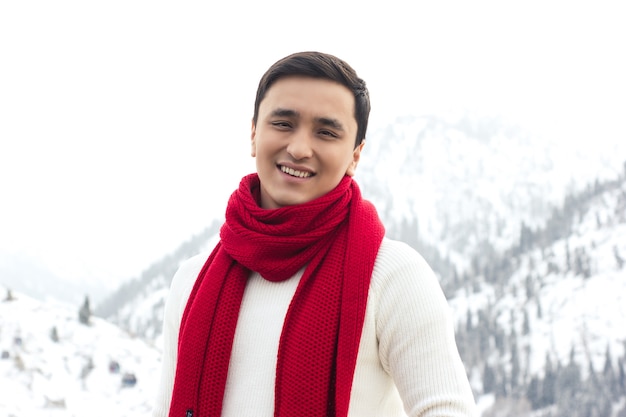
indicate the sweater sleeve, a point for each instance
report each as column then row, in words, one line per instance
column 417, row 345
column 181, row 287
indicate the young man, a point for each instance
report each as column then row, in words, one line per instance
column 304, row 308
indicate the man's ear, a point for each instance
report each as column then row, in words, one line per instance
column 253, row 140
column 356, row 156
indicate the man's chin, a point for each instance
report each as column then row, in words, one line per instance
column 288, row 199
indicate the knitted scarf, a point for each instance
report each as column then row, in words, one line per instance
column 336, row 237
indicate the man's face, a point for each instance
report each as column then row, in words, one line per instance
column 303, row 140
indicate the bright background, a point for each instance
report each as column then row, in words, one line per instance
column 124, row 125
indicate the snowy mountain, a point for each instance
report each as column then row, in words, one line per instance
column 51, row 364
column 528, row 239
column 544, row 322
column 464, row 179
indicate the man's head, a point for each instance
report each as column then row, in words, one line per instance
column 323, row 66
column 308, row 128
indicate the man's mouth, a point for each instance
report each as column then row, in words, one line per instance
column 295, row 172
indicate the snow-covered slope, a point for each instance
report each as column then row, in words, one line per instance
column 562, row 305
column 52, row 365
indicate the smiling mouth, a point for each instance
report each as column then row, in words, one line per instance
column 295, row 172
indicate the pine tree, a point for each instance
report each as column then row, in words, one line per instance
column 568, row 257
column 501, row 389
column 578, row 262
column 515, row 364
column 618, row 257
column 549, row 384
column 593, row 376
column 526, row 238
column 608, row 375
column 533, row 393
column 499, row 340
column 468, row 322
column 84, row 313
column 489, row 379
column 621, row 376
column 530, row 291
column 569, row 389
column 54, row 334
column 526, row 323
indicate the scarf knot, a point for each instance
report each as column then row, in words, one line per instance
column 278, row 243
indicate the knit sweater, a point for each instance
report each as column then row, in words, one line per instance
column 407, row 365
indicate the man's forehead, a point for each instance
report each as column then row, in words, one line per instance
column 293, row 96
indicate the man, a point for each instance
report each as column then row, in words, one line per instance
column 304, row 308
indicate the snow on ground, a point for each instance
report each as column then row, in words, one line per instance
column 80, row 374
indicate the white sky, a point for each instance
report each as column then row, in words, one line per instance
column 124, row 125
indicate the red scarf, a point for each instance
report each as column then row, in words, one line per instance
column 337, row 236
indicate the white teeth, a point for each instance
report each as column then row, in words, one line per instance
column 295, row 172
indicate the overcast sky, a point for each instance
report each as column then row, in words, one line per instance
column 124, row 125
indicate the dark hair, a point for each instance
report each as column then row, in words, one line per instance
column 319, row 65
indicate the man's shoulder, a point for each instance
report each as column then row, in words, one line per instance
column 189, row 269
column 397, row 258
column 397, row 251
column 195, row 261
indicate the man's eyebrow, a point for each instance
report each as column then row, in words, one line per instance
column 332, row 123
column 279, row 112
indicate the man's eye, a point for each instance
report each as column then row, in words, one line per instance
column 281, row 124
column 327, row 133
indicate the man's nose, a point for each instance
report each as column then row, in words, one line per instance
column 300, row 145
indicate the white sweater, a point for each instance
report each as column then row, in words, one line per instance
column 408, row 362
